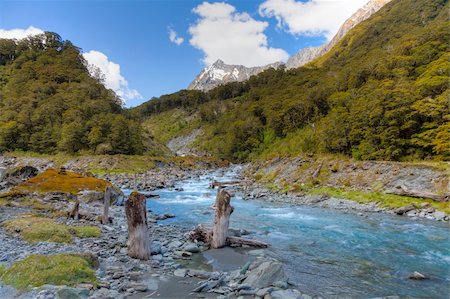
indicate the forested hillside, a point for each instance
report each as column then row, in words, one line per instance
column 381, row 93
column 50, row 103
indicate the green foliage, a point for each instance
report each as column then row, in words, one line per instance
column 380, row 93
column 37, row 270
column 49, row 102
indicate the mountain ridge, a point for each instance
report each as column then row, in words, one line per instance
column 221, row 73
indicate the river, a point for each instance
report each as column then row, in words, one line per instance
column 328, row 252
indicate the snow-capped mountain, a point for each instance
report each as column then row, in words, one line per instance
column 220, row 73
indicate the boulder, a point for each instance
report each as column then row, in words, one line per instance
column 405, row 209
column 191, row 247
column 438, row 215
column 417, row 276
column 266, row 274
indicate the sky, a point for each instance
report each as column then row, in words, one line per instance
column 154, row 47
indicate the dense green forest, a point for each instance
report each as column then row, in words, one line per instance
column 50, row 103
column 381, row 93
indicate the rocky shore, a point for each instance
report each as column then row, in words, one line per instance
column 178, row 268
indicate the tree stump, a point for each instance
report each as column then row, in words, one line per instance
column 74, row 214
column 106, row 204
column 223, row 210
column 136, row 211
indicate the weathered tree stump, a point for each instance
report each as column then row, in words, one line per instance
column 106, row 204
column 74, row 214
column 223, row 210
column 136, row 211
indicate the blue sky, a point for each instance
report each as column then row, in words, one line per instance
column 135, row 34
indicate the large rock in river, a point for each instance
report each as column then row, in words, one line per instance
column 266, row 274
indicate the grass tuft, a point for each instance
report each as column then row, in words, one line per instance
column 35, row 229
column 38, row 270
column 86, row 231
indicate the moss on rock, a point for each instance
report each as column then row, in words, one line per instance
column 52, row 180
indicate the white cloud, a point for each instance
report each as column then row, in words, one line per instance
column 312, row 17
column 20, row 33
column 174, row 38
column 236, row 38
column 112, row 77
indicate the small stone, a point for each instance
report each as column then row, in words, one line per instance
column 180, row 272
column 157, row 257
column 155, row 248
column 286, row 294
column 139, row 287
column 191, row 247
column 280, row 284
column 417, row 276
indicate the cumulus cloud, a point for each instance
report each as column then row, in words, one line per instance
column 312, row 17
column 20, row 33
column 236, row 38
column 174, row 38
column 113, row 79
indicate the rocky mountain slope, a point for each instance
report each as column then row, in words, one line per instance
column 221, row 73
column 308, row 54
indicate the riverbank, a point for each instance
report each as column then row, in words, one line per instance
column 367, row 186
column 177, row 266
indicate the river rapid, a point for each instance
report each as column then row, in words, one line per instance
column 328, row 252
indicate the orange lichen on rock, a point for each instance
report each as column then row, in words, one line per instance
column 53, row 180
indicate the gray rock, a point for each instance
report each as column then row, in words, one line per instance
column 174, row 245
column 155, row 248
column 266, row 274
column 286, row 294
column 417, row 276
column 438, row 215
column 157, row 257
column 281, row 284
column 191, row 247
column 405, row 209
column 180, row 272
column 73, row 293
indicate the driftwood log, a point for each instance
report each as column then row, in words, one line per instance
column 223, row 211
column 106, row 204
column 215, row 184
column 136, row 212
column 201, row 233
column 403, row 191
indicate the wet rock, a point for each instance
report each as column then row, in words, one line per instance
column 165, row 216
column 438, row 215
column 266, row 274
column 417, row 276
column 405, row 209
